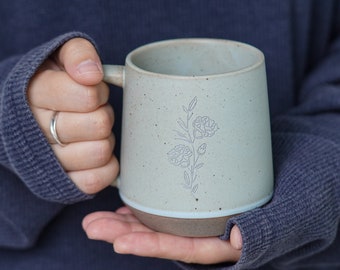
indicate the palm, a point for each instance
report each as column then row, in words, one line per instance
column 130, row 236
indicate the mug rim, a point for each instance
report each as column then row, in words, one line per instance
column 129, row 62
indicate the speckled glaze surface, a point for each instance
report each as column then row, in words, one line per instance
column 196, row 145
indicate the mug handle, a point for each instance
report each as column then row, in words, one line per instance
column 114, row 74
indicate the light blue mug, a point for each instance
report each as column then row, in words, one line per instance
column 196, row 141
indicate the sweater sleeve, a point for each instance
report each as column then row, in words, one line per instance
column 303, row 218
column 302, row 221
column 24, row 149
column 33, row 186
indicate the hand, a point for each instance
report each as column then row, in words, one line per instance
column 70, row 82
column 129, row 236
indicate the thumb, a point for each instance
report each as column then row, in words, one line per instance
column 236, row 238
column 80, row 60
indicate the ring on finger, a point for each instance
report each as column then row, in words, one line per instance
column 53, row 128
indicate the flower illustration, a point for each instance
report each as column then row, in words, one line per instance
column 188, row 155
column 204, row 127
column 201, row 150
column 180, row 155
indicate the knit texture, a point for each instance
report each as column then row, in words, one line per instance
column 25, row 150
column 41, row 209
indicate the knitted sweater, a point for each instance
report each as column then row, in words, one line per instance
column 41, row 209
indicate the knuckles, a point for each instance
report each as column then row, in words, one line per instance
column 94, row 97
column 103, row 151
column 94, row 182
column 103, row 121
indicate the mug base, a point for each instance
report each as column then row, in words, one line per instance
column 201, row 227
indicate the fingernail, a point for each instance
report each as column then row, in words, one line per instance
column 89, row 66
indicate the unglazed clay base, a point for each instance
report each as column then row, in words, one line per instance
column 183, row 226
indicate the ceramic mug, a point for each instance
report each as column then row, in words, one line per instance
column 196, row 141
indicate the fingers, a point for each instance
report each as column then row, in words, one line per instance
column 129, row 236
column 103, row 222
column 94, row 180
column 77, row 127
column 81, row 61
column 85, row 155
column 236, row 238
column 70, row 82
column 124, row 211
column 55, row 90
column 123, row 214
column 190, row 250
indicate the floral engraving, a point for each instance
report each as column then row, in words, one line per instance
column 192, row 132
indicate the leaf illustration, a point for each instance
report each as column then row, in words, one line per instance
column 199, row 166
column 182, row 124
column 194, row 189
column 184, row 109
column 182, row 136
column 192, row 104
column 186, row 178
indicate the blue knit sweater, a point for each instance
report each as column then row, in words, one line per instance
column 41, row 209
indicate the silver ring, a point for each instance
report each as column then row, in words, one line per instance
column 53, row 128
